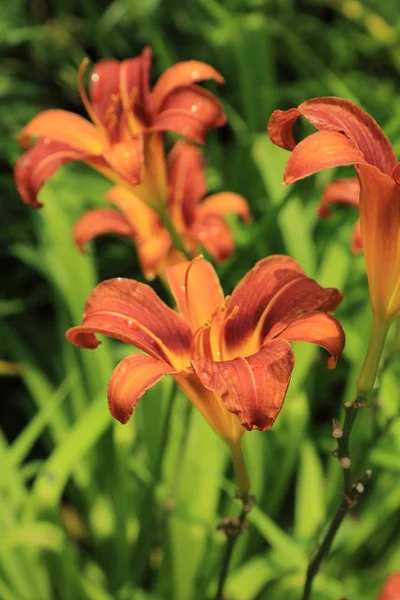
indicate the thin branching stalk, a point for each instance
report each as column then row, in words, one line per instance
column 232, row 527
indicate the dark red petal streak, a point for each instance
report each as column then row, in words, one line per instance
column 253, row 293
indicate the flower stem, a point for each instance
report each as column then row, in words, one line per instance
column 239, row 465
column 372, row 359
column 232, row 527
column 169, row 225
column 351, row 492
column 348, row 502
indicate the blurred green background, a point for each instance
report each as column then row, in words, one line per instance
column 93, row 510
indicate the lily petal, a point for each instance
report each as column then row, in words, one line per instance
column 224, row 203
column 186, row 182
column 319, row 151
column 126, row 159
column 356, row 240
column 196, row 289
column 133, row 313
column 380, row 226
column 98, row 221
column 253, row 293
column 181, row 75
column 296, row 297
column 153, row 241
column 317, row 328
column 132, row 75
column 252, row 388
column 67, row 128
column 340, row 191
column 191, row 112
column 39, row 163
column 214, row 234
column 131, row 378
column 341, row 116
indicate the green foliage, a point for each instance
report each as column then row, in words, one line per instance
column 93, row 510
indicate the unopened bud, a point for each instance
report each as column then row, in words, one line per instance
column 345, row 462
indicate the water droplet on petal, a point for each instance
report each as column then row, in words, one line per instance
column 95, row 77
column 195, row 74
column 47, row 140
column 193, row 108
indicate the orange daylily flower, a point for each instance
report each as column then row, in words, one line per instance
column 343, row 191
column 198, row 221
column 230, row 355
column 349, row 136
column 127, row 120
column 391, row 590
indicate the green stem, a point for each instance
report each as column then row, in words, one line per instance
column 239, row 465
column 351, row 492
column 372, row 359
column 230, row 544
column 169, row 225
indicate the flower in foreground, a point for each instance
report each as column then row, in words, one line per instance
column 349, row 136
column 127, row 120
column 198, row 221
column 230, row 355
column 343, row 191
column 391, row 589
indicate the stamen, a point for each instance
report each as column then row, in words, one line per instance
column 84, row 97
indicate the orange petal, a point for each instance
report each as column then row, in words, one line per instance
column 224, row 423
column 380, row 227
column 97, row 222
column 132, row 312
column 131, row 378
column 224, row 203
column 340, row 191
column 152, row 239
column 191, row 112
column 67, row 128
column 280, row 127
column 301, row 295
column 391, row 589
column 356, row 240
column 252, row 388
column 34, row 167
column 214, row 234
column 253, row 293
column 182, row 75
column 320, row 151
column 186, row 182
column 126, row 159
column 340, row 116
column 197, row 290
column 317, row 328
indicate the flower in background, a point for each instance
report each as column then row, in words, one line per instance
column 349, row 136
column 343, row 191
column 127, row 120
column 230, row 355
column 391, row 589
column 199, row 221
